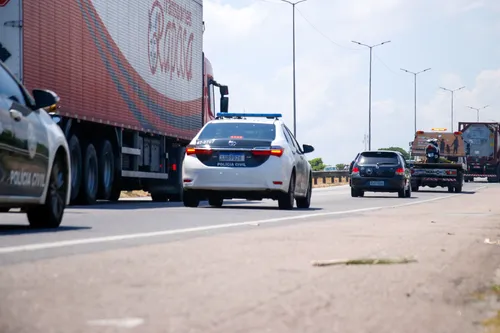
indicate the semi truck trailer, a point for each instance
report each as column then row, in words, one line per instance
column 133, row 81
column 483, row 151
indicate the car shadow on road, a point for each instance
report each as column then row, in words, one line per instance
column 20, row 229
column 385, row 197
column 240, row 207
column 445, row 191
column 128, row 205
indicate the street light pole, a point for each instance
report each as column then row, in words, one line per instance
column 477, row 110
column 452, row 95
column 294, row 85
column 415, row 93
column 370, row 91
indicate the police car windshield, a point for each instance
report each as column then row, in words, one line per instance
column 378, row 158
column 234, row 130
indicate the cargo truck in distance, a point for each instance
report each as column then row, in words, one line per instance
column 482, row 149
column 134, row 84
column 448, row 171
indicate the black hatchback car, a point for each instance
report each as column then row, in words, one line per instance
column 380, row 171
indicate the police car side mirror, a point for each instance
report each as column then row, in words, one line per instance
column 224, row 104
column 45, row 98
column 307, row 149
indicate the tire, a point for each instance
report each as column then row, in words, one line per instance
column 215, row 202
column 402, row 193
column 88, row 193
column 50, row 214
column 106, row 170
column 450, row 189
column 190, row 199
column 361, row 193
column 305, row 202
column 286, row 200
column 159, row 197
column 415, row 188
column 115, row 192
column 75, row 151
column 354, row 192
column 458, row 189
column 4, row 209
column 408, row 192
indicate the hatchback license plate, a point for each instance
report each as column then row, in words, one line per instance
column 233, row 157
column 377, row 183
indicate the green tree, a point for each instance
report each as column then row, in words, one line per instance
column 340, row 166
column 317, row 164
column 406, row 154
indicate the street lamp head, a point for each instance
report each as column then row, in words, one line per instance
column 425, row 70
column 460, row 88
column 387, row 41
column 445, row 89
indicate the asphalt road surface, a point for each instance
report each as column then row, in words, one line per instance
column 138, row 266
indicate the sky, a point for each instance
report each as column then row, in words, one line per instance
column 249, row 43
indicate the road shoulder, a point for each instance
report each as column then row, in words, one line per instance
column 259, row 280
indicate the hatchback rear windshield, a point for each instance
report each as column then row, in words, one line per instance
column 378, row 157
column 249, row 131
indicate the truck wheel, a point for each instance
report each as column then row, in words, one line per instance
column 75, row 151
column 106, row 170
column 458, row 189
column 50, row 214
column 88, row 194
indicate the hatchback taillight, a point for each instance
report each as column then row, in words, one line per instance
column 400, row 171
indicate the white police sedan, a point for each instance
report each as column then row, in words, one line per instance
column 246, row 156
column 34, row 157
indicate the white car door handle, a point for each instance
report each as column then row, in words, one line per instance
column 16, row 115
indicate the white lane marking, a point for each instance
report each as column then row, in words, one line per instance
column 121, row 322
column 51, row 245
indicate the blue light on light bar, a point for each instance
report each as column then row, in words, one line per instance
column 245, row 115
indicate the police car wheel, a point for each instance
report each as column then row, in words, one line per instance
column 190, row 199
column 50, row 214
column 305, row 202
column 286, row 200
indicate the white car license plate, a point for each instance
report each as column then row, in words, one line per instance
column 377, row 183
column 232, row 157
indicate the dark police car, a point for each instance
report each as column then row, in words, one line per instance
column 380, row 171
column 35, row 166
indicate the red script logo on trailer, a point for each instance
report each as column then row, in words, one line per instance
column 4, row 3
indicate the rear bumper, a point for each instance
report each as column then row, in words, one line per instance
column 435, row 181
column 370, row 184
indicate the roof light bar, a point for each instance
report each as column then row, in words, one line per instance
column 248, row 115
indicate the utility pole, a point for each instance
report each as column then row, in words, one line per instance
column 294, row 85
column 415, row 93
column 452, row 95
column 369, row 90
column 477, row 110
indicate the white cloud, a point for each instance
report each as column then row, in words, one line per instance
column 250, row 47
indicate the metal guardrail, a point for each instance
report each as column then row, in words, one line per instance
column 327, row 177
